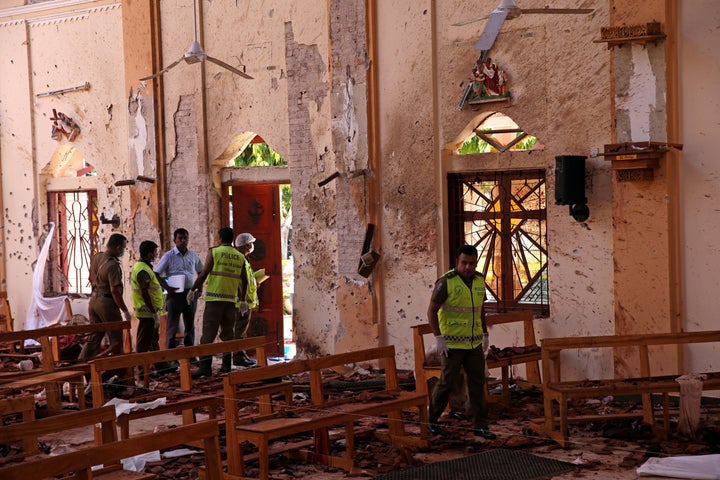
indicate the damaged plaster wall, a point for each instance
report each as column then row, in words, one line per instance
column 569, row 114
column 641, row 240
column 314, row 214
column 142, row 162
column 357, row 327
column 32, row 64
column 308, row 101
column 407, row 170
column 183, row 181
column 700, row 171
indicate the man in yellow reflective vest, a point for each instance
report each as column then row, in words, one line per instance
column 227, row 283
column 245, row 242
column 148, row 302
column 457, row 317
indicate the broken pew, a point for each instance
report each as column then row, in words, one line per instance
column 82, row 461
column 51, row 376
column 529, row 354
column 558, row 393
column 30, row 431
column 323, row 414
column 187, row 405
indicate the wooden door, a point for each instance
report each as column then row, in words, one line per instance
column 255, row 208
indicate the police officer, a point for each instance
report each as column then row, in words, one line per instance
column 457, row 317
column 227, row 284
column 245, row 242
column 106, row 300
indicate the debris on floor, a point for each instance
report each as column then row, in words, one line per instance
column 613, row 448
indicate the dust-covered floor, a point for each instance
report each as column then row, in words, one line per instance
column 600, row 451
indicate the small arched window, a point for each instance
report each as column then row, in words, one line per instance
column 498, row 133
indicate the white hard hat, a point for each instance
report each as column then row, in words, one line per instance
column 244, row 239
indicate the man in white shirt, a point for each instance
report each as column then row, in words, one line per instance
column 180, row 261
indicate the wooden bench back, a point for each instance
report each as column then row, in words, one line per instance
column 105, row 416
column 552, row 347
column 25, row 406
column 278, row 370
column 7, row 321
column 82, row 461
column 183, row 355
column 384, row 355
column 47, row 336
column 422, row 373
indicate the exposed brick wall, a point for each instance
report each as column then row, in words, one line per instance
column 349, row 112
column 186, row 190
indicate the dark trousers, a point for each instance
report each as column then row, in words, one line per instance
column 473, row 362
column 177, row 305
column 218, row 316
column 241, row 326
column 148, row 338
column 100, row 310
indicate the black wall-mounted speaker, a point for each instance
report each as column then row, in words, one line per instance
column 570, row 180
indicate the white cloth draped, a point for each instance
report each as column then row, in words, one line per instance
column 43, row 311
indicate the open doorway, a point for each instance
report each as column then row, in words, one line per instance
column 261, row 204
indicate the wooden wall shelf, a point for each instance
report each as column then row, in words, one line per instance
column 637, row 155
column 643, row 40
column 640, row 34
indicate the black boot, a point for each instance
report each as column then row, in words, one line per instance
column 226, row 361
column 205, row 369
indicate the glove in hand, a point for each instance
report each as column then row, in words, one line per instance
column 440, row 345
column 156, row 319
column 243, row 308
column 486, row 343
column 191, row 296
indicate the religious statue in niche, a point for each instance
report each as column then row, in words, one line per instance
column 488, row 83
column 63, row 126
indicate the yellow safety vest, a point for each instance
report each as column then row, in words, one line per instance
column 251, row 297
column 224, row 279
column 155, row 291
column 459, row 317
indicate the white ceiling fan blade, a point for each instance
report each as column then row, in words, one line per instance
column 468, row 22
column 556, row 10
column 492, row 28
column 163, row 70
column 228, row 67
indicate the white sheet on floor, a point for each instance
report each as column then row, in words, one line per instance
column 137, row 463
column 43, row 311
column 698, row 467
column 124, row 406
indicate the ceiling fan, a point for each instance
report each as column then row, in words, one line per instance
column 196, row 54
column 508, row 9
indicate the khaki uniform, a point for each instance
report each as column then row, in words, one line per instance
column 105, row 273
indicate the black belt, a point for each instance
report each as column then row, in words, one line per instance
column 102, row 295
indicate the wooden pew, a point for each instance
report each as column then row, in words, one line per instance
column 425, row 371
column 323, row 414
column 558, row 392
column 25, row 406
column 49, row 339
column 188, row 405
column 30, row 431
column 7, row 321
column 51, row 376
column 80, row 462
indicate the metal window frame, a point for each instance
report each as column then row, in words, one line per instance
column 513, row 262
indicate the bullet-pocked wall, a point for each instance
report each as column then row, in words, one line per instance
column 76, row 50
column 366, row 90
column 557, row 80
